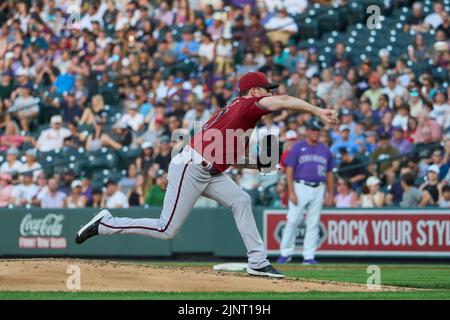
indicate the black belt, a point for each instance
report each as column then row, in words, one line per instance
column 309, row 184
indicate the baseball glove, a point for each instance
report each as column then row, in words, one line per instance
column 269, row 151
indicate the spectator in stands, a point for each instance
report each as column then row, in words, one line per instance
column 374, row 91
column 97, row 198
column 255, row 30
column 444, row 28
column 94, row 140
column 401, row 117
column 434, row 19
column 412, row 197
column 136, row 195
column 86, row 189
column 76, row 199
column 97, row 111
column 11, row 164
column 373, row 197
column 42, row 189
column 344, row 141
column 163, row 155
column 22, row 194
column 444, row 200
column 339, row 55
column 12, row 138
column 66, row 179
column 441, row 109
column 383, row 107
column 399, row 142
column 339, row 91
column 25, row 106
column 196, row 117
column 290, row 137
column 386, row 125
column 415, row 21
column 418, row 51
column 52, row 138
column 385, row 156
column 352, row 168
column 393, row 89
column 155, row 196
column 114, row 198
column 31, row 164
column 425, row 122
column 119, row 138
column 80, row 91
column 6, row 190
column 281, row 26
column 65, row 81
column 437, row 159
column 53, row 198
column 345, row 197
column 71, row 109
column 133, row 118
column 7, row 85
column 145, row 160
column 430, row 188
column 129, row 181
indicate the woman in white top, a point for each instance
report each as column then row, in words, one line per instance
column 76, row 199
column 374, row 198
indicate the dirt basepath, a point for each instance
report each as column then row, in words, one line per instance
column 96, row 275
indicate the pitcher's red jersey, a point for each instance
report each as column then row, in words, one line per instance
column 216, row 142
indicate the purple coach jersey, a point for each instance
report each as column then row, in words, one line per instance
column 310, row 163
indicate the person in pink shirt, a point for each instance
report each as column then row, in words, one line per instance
column 6, row 189
column 12, row 138
column 426, row 123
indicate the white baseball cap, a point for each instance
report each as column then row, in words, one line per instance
column 291, row 135
column 434, row 168
column 56, row 119
column 147, row 144
column 76, row 183
column 383, row 53
column 372, row 181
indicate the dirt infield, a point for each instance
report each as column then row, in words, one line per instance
column 97, row 275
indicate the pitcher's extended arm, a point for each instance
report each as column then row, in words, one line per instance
column 284, row 102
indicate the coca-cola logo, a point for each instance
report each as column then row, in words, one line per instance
column 49, row 226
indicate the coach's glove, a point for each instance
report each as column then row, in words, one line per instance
column 269, row 153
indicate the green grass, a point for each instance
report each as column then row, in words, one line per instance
column 427, row 277
column 416, row 295
column 434, row 277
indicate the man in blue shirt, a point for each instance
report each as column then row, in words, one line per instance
column 187, row 47
column 64, row 82
column 345, row 141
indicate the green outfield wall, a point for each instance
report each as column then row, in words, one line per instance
column 421, row 233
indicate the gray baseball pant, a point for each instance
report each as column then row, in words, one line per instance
column 188, row 179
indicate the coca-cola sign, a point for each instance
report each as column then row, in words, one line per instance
column 48, row 226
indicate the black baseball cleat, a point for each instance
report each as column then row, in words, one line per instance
column 90, row 229
column 267, row 271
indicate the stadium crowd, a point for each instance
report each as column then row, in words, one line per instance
column 126, row 75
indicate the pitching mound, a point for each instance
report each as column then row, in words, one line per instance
column 51, row 275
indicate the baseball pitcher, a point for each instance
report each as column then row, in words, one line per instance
column 309, row 170
column 199, row 170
